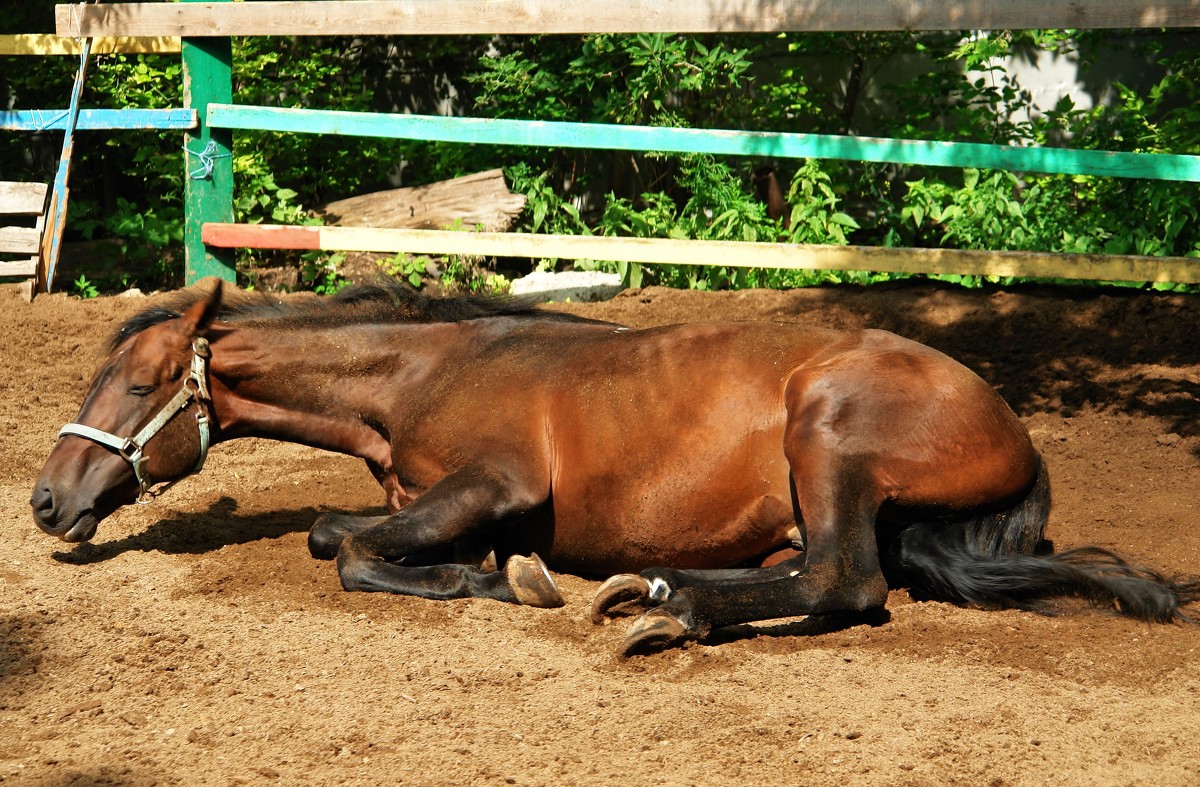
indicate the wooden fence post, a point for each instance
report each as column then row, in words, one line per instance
column 208, row 160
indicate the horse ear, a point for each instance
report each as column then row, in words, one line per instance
column 200, row 315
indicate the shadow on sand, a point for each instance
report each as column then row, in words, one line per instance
column 199, row 532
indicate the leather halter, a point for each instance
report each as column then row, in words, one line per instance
column 131, row 448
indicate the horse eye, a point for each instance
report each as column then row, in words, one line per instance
column 141, row 390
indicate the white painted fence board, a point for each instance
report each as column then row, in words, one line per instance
column 19, row 198
column 20, row 240
column 22, row 268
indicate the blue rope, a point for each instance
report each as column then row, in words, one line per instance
column 207, row 158
column 42, row 125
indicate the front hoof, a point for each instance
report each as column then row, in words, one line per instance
column 531, row 583
column 656, row 630
column 623, row 594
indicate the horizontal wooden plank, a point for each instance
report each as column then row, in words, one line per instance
column 99, row 119
column 709, row 253
column 41, row 44
column 18, row 267
column 20, row 240
column 261, row 236
column 19, row 198
column 463, row 17
column 1160, row 166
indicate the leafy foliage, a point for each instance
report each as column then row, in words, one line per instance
column 127, row 186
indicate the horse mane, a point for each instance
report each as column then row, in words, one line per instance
column 386, row 301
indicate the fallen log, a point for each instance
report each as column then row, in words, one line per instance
column 481, row 200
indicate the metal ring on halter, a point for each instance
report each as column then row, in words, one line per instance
column 131, row 449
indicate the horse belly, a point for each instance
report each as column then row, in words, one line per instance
column 667, row 448
column 713, row 508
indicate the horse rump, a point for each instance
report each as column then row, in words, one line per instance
column 1001, row 560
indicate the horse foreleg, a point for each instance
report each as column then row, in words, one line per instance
column 330, row 530
column 458, row 508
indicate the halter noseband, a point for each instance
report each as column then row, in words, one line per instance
column 131, row 448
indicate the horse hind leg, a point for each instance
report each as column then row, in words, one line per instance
column 839, row 573
column 634, row 594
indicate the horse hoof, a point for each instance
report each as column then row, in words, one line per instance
column 623, row 594
column 655, row 630
column 532, row 583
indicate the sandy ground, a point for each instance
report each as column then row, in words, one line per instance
column 196, row 642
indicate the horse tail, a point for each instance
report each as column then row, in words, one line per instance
column 1002, row 560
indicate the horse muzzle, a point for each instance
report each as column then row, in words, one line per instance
column 72, row 496
column 72, row 527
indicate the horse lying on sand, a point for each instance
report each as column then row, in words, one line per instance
column 726, row 473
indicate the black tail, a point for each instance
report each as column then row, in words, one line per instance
column 992, row 561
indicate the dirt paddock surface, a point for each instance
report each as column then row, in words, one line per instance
column 196, row 642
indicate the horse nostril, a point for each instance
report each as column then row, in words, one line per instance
column 43, row 505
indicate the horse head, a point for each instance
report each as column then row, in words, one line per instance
column 132, row 432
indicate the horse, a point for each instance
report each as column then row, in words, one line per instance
column 718, row 473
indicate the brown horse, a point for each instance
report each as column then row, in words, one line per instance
column 776, row 470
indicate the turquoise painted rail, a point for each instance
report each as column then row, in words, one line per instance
column 1155, row 166
column 98, row 119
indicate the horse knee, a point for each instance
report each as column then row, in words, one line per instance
column 326, row 535
column 324, row 538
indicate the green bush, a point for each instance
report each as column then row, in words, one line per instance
column 127, row 186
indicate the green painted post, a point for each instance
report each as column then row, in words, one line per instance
column 208, row 164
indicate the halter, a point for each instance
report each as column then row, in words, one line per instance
column 131, row 448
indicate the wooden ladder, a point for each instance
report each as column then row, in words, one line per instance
column 24, row 205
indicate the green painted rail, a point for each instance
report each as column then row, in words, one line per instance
column 1154, row 166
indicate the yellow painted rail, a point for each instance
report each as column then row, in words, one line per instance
column 1100, row 267
column 42, row 44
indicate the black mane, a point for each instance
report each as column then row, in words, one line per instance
column 384, row 302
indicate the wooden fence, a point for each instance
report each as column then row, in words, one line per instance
column 205, row 28
column 48, row 226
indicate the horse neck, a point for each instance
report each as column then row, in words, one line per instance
column 317, row 386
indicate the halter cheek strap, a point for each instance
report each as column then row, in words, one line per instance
column 131, row 449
